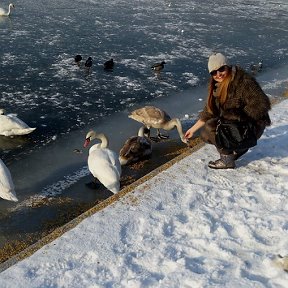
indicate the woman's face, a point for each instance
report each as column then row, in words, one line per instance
column 220, row 74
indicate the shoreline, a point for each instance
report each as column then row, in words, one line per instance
column 180, row 151
column 180, row 106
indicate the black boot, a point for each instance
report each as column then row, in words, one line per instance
column 225, row 162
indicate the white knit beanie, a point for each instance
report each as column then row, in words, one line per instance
column 216, row 61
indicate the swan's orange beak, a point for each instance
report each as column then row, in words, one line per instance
column 86, row 143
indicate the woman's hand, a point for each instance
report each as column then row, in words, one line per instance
column 189, row 133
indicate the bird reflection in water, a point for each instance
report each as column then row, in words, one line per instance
column 12, row 142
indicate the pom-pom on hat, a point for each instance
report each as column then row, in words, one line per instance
column 216, row 61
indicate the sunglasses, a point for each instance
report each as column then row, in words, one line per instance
column 221, row 69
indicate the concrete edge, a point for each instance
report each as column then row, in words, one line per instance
column 73, row 223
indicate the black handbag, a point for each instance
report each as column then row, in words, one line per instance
column 236, row 135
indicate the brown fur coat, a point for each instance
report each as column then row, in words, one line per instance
column 246, row 101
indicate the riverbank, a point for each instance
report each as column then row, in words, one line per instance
column 186, row 226
column 53, row 196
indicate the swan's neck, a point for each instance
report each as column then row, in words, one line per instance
column 10, row 9
column 104, row 140
column 175, row 122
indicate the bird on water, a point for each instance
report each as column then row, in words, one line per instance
column 78, row 59
column 109, row 65
column 157, row 67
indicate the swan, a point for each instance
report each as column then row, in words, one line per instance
column 11, row 125
column 7, row 190
column 153, row 117
column 108, row 65
column 136, row 147
column 4, row 13
column 103, row 163
column 158, row 66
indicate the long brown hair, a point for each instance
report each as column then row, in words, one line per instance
column 221, row 91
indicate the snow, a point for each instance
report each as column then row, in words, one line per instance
column 189, row 226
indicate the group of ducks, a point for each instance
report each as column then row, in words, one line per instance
column 109, row 64
column 105, row 164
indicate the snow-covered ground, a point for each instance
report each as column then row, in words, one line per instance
column 189, row 226
column 41, row 85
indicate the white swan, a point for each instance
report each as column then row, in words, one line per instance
column 11, row 125
column 103, row 163
column 136, row 147
column 153, row 117
column 4, row 13
column 7, row 190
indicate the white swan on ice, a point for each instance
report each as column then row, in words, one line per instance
column 11, row 125
column 4, row 13
column 7, row 190
column 103, row 163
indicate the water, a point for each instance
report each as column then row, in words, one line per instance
column 40, row 83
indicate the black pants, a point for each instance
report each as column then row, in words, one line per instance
column 209, row 130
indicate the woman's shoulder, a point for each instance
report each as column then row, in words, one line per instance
column 240, row 75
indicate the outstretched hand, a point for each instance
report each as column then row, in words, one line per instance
column 189, row 134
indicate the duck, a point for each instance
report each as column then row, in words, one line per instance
column 4, row 13
column 157, row 67
column 103, row 163
column 153, row 117
column 108, row 65
column 7, row 190
column 88, row 65
column 78, row 59
column 136, row 147
column 10, row 125
column 89, row 62
column 255, row 68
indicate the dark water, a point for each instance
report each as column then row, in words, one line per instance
column 41, row 84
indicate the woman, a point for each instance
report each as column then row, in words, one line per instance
column 234, row 95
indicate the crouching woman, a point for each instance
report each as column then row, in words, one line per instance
column 235, row 99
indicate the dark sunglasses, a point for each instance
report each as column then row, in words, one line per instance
column 221, row 69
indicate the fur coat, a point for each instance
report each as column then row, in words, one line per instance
column 246, row 101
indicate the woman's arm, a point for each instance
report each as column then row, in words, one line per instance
column 190, row 132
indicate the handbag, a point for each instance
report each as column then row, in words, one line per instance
column 235, row 135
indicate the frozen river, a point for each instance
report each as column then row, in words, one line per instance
column 40, row 83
